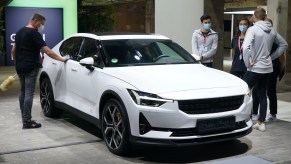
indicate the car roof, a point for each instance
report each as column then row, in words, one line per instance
column 114, row 36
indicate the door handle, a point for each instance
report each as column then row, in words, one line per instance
column 75, row 69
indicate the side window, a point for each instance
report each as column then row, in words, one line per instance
column 71, row 47
column 89, row 48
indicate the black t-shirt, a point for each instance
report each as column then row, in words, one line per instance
column 28, row 44
column 205, row 33
column 237, row 62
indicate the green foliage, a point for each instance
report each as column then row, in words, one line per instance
column 97, row 19
column 104, row 21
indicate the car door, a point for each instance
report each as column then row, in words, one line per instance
column 82, row 81
column 69, row 48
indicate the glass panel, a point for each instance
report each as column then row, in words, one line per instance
column 71, row 47
column 125, row 52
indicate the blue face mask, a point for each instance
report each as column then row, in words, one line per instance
column 243, row 28
column 207, row 26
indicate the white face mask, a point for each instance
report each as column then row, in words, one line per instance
column 40, row 29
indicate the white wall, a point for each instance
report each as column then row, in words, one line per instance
column 177, row 19
column 272, row 11
column 278, row 12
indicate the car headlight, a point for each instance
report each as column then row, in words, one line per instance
column 147, row 99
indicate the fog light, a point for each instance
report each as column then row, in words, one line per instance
column 144, row 125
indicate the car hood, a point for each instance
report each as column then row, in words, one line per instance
column 178, row 78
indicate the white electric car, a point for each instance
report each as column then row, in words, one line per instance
column 144, row 89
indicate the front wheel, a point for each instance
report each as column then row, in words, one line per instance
column 47, row 99
column 115, row 128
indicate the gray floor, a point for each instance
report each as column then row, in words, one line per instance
column 70, row 139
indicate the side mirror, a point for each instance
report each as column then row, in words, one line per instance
column 89, row 61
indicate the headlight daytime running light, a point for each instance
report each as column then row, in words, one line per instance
column 147, row 99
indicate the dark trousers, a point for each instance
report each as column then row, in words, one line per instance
column 27, row 87
column 271, row 90
column 239, row 74
column 208, row 64
column 259, row 83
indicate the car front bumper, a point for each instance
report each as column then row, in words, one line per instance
column 167, row 125
column 193, row 140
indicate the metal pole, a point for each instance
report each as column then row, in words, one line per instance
column 231, row 35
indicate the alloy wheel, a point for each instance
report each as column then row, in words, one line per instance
column 113, row 127
column 44, row 97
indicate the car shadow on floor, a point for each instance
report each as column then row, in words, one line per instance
column 155, row 154
column 197, row 153
column 81, row 123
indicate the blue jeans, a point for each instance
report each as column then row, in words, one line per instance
column 259, row 83
column 27, row 87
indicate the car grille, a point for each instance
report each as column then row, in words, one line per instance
column 195, row 131
column 213, row 105
column 185, row 132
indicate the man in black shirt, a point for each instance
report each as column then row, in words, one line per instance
column 26, row 54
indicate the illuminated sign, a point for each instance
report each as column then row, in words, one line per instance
column 18, row 17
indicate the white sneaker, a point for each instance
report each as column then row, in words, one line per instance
column 261, row 127
column 271, row 118
column 255, row 117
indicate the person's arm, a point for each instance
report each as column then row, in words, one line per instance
column 232, row 53
column 212, row 51
column 52, row 54
column 282, row 60
column 195, row 44
column 232, row 49
column 38, row 40
column 247, row 47
column 282, row 46
column 13, row 52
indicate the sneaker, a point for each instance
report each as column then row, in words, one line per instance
column 261, row 127
column 31, row 125
column 271, row 118
column 255, row 117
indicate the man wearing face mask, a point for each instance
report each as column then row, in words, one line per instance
column 26, row 57
column 204, row 42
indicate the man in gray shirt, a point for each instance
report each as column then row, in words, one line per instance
column 256, row 54
column 204, row 41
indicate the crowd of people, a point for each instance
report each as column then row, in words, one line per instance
column 257, row 57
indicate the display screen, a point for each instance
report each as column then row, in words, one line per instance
column 18, row 17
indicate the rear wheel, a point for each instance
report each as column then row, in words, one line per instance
column 47, row 99
column 115, row 127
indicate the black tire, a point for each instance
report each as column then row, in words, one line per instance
column 47, row 99
column 115, row 128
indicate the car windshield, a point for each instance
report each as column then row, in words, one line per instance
column 125, row 52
